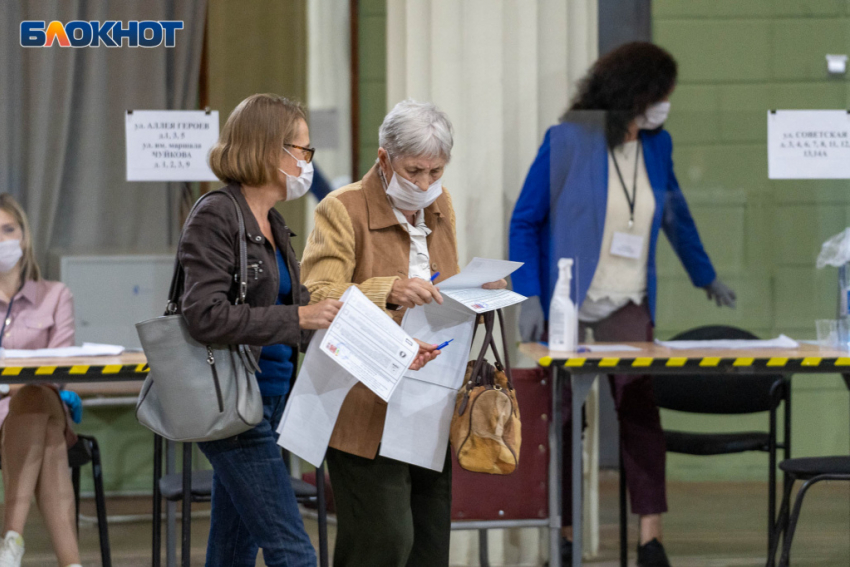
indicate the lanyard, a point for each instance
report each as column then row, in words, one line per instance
column 6, row 320
column 633, row 199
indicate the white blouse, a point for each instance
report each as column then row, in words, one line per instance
column 420, row 260
column 618, row 279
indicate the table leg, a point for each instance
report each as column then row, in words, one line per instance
column 555, row 467
column 581, row 383
column 170, row 509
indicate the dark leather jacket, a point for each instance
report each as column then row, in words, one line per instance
column 209, row 253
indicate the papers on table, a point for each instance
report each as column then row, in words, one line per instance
column 368, row 344
column 88, row 349
column 606, row 348
column 781, row 341
column 465, row 287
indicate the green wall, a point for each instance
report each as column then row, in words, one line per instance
column 737, row 59
column 372, row 54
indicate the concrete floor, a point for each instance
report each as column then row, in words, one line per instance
column 709, row 525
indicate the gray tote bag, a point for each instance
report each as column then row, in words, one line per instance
column 197, row 392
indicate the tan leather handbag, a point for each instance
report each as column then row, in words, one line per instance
column 486, row 432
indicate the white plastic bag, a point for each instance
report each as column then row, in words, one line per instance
column 835, row 251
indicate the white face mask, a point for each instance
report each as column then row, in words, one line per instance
column 10, row 253
column 407, row 196
column 297, row 187
column 655, row 116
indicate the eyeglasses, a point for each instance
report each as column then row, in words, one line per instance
column 308, row 152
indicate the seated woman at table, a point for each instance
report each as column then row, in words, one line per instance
column 36, row 425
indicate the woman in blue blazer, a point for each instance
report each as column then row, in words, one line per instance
column 600, row 190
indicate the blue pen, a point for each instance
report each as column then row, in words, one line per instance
column 434, row 277
column 444, row 345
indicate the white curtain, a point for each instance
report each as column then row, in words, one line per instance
column 62, row 124
column 503, row 70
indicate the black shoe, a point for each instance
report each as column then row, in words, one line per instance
column 566, row 552
column 652, row 555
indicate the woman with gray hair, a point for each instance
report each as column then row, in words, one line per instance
column 387, row 235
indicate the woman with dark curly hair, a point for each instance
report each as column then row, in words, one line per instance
column 600, row 190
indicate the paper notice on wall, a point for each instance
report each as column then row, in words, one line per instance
column 170, row 145
column 808, row 144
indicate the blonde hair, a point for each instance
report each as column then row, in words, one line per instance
column 29, row 267
column 250, row 144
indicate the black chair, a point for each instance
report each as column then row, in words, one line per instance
column 173, row 486
column 721, row 395
column 812, row 470
column 86, row 451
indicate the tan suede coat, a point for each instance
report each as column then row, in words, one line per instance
column 358, row 240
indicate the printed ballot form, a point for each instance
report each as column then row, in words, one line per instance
column 362, row 344
column 465, row 287
column 368, row 344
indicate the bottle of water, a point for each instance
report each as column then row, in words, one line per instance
column 563, row 317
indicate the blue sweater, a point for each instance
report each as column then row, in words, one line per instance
column 276, row 360
column 560, row 212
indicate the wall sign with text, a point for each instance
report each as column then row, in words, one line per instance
column 808, row 144
column 170, row 145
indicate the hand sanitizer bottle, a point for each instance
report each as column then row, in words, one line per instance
column 563, row 317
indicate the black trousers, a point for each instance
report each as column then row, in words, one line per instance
column 389, row 513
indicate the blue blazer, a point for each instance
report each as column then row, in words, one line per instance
column 561, row 210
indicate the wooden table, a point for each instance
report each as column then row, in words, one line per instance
column 583, row 368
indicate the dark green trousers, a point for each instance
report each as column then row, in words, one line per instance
column 389, row 513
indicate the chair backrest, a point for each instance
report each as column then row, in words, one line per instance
column 714, row 394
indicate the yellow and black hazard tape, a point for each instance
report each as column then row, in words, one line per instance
column 91, row 372
column 609, row 364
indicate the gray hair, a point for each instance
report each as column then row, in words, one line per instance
column 413, row 129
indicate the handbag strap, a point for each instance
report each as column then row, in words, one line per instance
column 179, row 276
column 490, row 342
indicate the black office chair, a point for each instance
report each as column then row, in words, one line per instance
column 171, row 487
column 721, row 395
column 812, row 470
column 86, row 451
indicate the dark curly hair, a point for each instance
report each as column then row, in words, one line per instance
column 623, row 84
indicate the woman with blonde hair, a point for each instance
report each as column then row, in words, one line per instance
column 36, row 420
column 263, row 155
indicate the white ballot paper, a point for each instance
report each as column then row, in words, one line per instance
column 419, row 414
column 314, row 403
column 465, row 287
column 368, row 344
column 363, row 343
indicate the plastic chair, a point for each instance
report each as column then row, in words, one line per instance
column 86, row 451
column 173, row 486
column 721, row 395
column 812, row 470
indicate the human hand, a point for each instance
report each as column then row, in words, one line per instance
column 426, row 354
column 498, row 284
column 722, row 294
column 319, row 315
column 74, row 403
column 412, row 292
column 531, row 320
